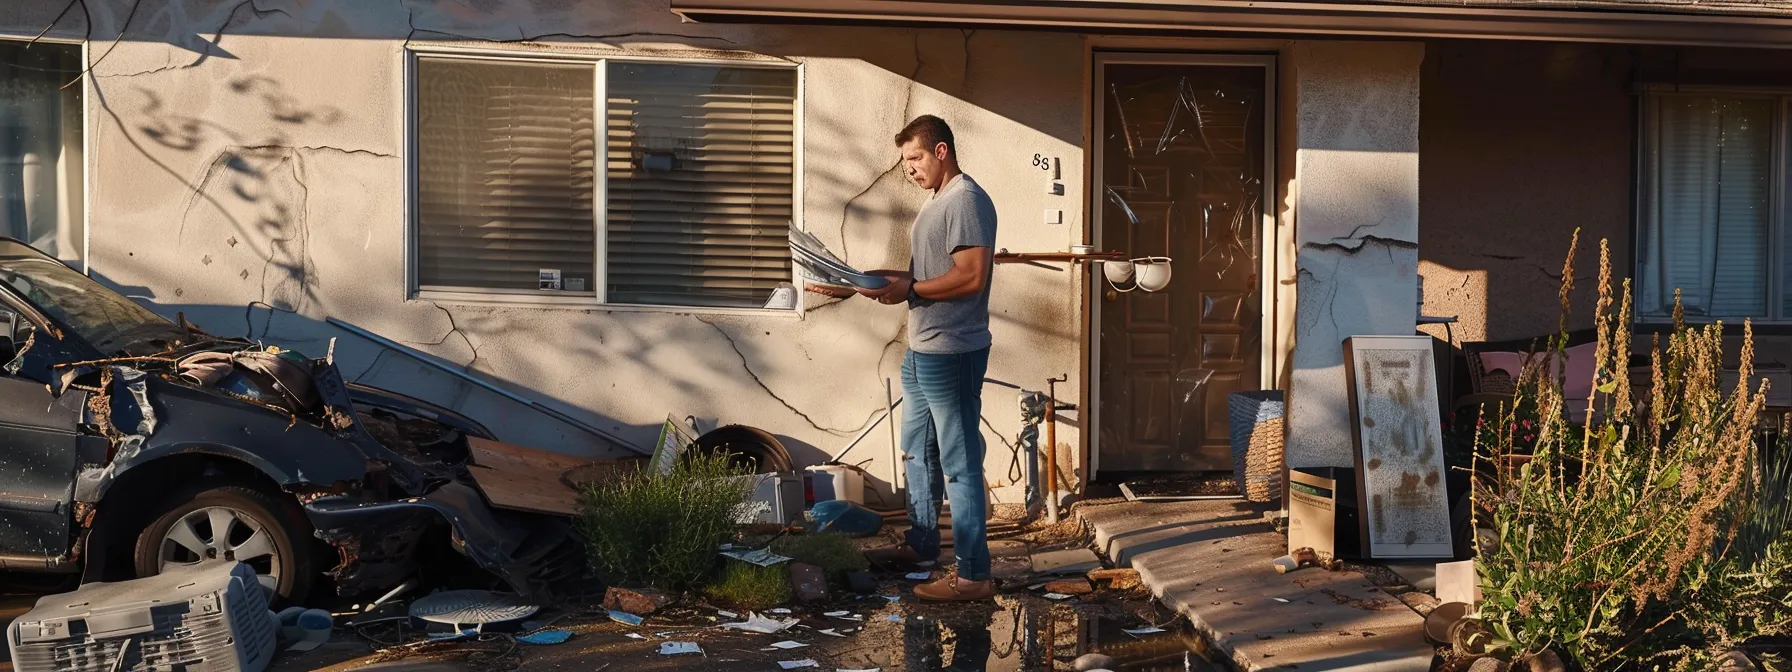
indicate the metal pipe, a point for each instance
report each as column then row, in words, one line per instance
column 873, row 426
column 531, row 403
column 1051, row 448
column 896, row 469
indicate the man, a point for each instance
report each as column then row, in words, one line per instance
column 946, row 290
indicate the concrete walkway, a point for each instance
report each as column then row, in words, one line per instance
column 1211, row 560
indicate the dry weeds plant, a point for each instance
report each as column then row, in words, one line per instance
column 1652, row 535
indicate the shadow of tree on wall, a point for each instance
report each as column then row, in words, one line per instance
column 243, row 171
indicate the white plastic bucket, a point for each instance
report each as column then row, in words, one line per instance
column 832, row 481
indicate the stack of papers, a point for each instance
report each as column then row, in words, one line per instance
column 822, row 266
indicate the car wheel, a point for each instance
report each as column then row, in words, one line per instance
column 234, row 523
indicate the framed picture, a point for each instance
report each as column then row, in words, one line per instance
column 1398, row 435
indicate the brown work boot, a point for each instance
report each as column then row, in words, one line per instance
column 953, row 589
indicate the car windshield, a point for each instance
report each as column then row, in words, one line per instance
column 104, row 319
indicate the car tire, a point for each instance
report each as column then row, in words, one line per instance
column 183, row 533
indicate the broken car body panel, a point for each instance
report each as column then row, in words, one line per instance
column 97, row 390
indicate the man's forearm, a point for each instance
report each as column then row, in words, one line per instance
column 956, row 283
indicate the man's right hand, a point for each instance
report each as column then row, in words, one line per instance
column 832, row 291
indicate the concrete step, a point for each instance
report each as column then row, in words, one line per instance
column 1210, row 560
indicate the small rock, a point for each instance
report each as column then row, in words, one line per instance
column 808, row 582
column 862, row 583
column 1070, row 587
column 1488, row 664
column 1089, row 662
column 638, row 602
column 1547, row 661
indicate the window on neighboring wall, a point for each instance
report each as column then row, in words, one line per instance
column 40, row 147
column 1714, row 211
column 691, row 204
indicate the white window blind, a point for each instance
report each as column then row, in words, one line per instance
column 701, row 168
column 505, row 158
column 40, row 147
column 698, row 179
column 1711, row 210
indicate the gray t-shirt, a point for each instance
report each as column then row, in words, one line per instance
column 959, row 215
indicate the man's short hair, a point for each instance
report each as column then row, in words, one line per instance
column 931, row 131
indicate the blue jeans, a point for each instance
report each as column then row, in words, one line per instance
column 943, row 451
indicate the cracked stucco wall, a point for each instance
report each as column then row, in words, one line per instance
column 246, row 168
column 1357, row 235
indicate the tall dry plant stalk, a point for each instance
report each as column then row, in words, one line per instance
column 1615, row 535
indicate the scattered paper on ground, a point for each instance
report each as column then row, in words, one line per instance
column 917, row 576
column 1056, row 596
column 780, row 610
column 547, row 637
column 830, row 632
column 1279, row 600
column 636, row 635
column 796, row 664
column 727, row 614
column 789, row 644
column 761, row 624
column 837, row 614
column 676, row 648
column 762, row 557
column 625, row 618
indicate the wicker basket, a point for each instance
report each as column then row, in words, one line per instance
column 1257, row 439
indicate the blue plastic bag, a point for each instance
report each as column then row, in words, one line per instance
column 853, row 520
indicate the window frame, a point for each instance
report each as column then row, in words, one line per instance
column 1647, row 181
column 84, row 265
column 598, row 300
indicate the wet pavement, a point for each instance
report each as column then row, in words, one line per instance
column 1018, row 631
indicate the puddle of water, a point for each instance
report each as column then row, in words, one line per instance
column 1022, row 633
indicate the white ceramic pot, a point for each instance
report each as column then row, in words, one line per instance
column 1117, row 272
column 1153, row 273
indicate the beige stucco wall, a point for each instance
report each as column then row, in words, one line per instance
column 1357, row 225
column 1522, row 143
column 247, row 167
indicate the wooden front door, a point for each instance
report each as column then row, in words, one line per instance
column 1180, row 173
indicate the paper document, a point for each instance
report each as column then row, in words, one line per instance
column 822, row 266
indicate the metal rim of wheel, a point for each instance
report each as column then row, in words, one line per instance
column 195, row 538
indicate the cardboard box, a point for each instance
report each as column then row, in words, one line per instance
column 1322, row 512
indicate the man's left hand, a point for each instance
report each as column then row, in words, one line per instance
column 891, row 294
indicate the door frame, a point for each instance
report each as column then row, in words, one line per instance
column 1266, row 277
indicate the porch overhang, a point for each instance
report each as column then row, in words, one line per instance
column 1766, row 24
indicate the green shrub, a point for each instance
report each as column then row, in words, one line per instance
column 643, row 529
column 1652, row 535
column 749, row 586
column 836, row 554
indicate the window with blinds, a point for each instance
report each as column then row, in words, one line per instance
column 691, row 207
column 1713, row 226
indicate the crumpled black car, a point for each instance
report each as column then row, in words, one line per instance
column 130, row 443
